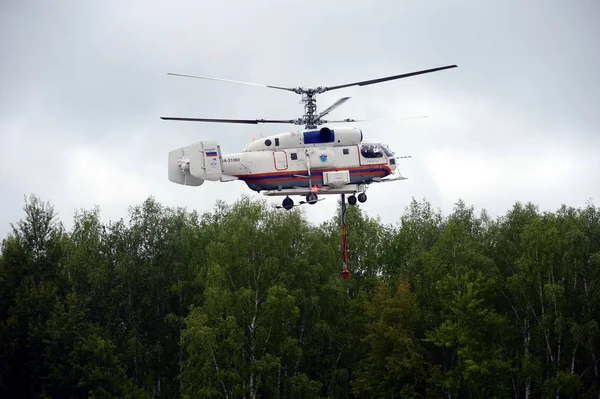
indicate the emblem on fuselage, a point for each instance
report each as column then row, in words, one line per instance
column 323, row 158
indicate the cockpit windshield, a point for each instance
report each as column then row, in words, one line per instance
column 371, row 151
column 387, row 151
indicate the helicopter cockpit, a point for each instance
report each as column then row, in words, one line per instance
column 377, row 153
column 371, row 151
column 376, row 150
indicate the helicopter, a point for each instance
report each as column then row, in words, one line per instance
column 308, row 162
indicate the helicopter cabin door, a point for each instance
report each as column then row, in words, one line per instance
column 280, row 159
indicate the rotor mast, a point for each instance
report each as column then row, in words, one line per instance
column 311, row 119
column 309, row 96
column 310, row 108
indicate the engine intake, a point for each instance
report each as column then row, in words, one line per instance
column 325, row 135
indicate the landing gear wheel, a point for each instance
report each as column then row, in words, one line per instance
column 287, row 203
column 352, row 199
column 362, row 197
column 311, row 198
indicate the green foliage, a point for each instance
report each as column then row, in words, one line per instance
column 472, row 336
column 246, row 301
column 395, row 363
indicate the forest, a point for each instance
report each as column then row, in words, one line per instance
column 247, row 301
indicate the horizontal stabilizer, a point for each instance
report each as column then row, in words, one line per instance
column 193, row 164
column 179, row 169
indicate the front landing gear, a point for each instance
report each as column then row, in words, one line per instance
column 362, row 197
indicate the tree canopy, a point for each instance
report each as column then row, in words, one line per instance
column 246, row 301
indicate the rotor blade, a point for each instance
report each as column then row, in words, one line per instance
column 247, row 121
column 379, row 80
column 232, row 81
column 378, row 119
column 333, row 106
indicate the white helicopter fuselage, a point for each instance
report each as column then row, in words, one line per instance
column 275, row 170
column 306, row 162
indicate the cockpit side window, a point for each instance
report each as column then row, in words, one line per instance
column 371, row 151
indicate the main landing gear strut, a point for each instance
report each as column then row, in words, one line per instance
column 312, row 198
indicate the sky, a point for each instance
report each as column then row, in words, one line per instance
column 83, row 85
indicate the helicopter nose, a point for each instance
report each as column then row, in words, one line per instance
column 392, row 164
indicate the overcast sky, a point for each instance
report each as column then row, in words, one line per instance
column 83, row 84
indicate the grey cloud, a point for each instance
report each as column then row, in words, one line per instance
column 90, row 78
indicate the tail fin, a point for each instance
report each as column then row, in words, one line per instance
column 195, row 163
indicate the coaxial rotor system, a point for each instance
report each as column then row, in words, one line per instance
column 311, row 119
